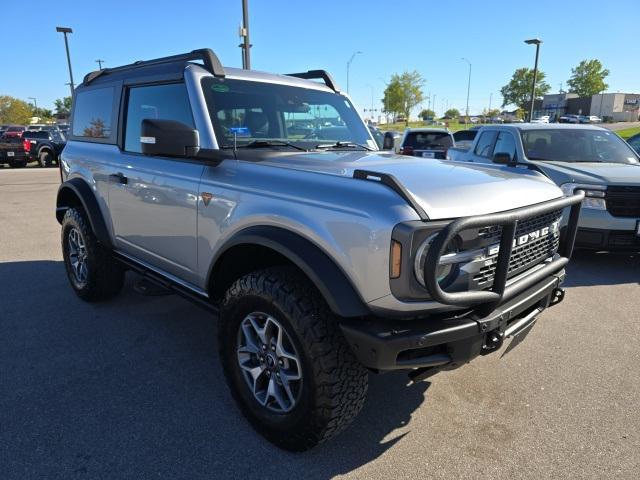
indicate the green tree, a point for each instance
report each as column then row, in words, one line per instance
column 63, row 106
column 452, row 112
column 403, row 93
column 518, row 90
column 494, row 112
column 587, row 78
column 44, row 114
column 427, row 113
column 13, row 110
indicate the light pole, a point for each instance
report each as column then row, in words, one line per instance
column 244, row 34
column 536, row 42
column 468, row 87
column 35, row 102
column 99, row 62
column 64, row 31
column 349, row 66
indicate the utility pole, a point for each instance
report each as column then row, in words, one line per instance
column 536, row 42
column 99, row 62
column 490, row 98
column 468, row 87
column 349, row 66
column 64, row 31
column 244, row 35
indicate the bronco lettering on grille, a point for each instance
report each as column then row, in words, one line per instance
column 528, row 237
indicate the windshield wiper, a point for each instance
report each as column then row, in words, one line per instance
column 328, row 146
column 267, row 144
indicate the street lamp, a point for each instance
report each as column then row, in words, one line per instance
column 468, row 86
column 64, row 31
column 536, row 42
column 35, row 102
column 349, row 66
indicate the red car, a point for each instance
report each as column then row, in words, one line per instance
column 14, row 131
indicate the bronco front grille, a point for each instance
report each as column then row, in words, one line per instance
column 623, row 201
column 523, row 256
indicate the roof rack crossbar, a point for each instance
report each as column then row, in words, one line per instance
column 321, row 74
column 210, row 60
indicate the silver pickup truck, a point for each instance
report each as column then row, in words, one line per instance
column 585, row 157
column 264, row 199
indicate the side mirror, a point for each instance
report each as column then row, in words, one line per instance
column 502, row 158
column 168, row 138
column 389, row 141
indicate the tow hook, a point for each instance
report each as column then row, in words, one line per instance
column 556, row 296
column 492, row 343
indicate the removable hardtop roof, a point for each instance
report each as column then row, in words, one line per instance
column 174, row 65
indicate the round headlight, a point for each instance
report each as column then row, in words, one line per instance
column 444, row 271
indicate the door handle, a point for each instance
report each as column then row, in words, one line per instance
column 118, row 178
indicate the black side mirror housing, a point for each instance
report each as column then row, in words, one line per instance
column 168, row 138
column 503, row 158
column 389, row 141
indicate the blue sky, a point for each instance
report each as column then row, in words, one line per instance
column 428, row 36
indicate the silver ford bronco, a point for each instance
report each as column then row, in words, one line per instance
column 265, row 199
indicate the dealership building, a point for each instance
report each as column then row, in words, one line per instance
column 618, row 107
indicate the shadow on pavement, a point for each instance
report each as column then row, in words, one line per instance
column 600, row 268
column 132, row 388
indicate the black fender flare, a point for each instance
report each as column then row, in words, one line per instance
column 80, row 189
column 333, row 284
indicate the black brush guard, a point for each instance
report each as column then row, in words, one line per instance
column 499, row 291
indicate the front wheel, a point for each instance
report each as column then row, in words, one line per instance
column 286, row 361
column 93, row 272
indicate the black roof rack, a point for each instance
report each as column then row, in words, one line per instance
column 322, row 74
column 210, row 60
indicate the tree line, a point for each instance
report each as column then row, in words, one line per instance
column 405, row 91
column 14, row 111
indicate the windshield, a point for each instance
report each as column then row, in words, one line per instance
column 250, row 111
column 576, row 145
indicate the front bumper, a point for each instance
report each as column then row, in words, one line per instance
column 611, row 240
column 449, row 341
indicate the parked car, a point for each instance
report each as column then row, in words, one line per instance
column 592, row 119
column 426, row 142
column 377, row 135
column 44, row 146
column 14, row 131
column 584, row 157
column 323, row 259
column 12, row 151
column 542, row 119
column 464, row 138
column 635, row 142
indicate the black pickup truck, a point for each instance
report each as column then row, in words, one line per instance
column 44, row 146
column 12, row 152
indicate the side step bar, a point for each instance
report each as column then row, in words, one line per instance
column 169, row 284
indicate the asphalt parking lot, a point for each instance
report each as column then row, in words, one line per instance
column 132, row 388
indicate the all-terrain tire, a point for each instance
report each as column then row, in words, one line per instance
column 103, row 276
column 334, row 383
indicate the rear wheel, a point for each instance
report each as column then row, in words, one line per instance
column 286, row 361
column 93, row 272
column 45, row 159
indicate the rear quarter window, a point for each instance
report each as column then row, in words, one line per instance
column 92, row 113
